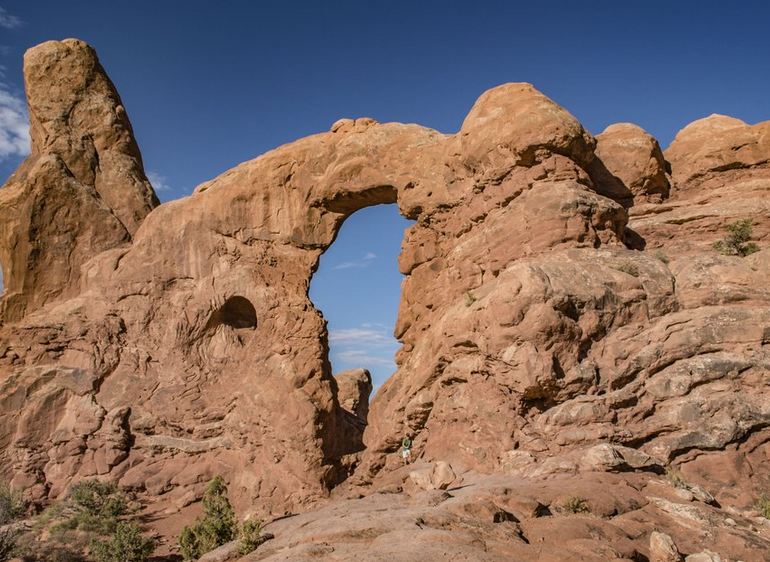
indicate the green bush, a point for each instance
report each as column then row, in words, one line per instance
column 661, row 255
column 736, row 243
column 97, row 507
column 628, row 268
column 675, row 478
column 11, row 505
column 7, row 544
column 251, row 536
column 126, row 545
column 48, row 551
column 216, row 527
column 763, row 505
column 574, row 504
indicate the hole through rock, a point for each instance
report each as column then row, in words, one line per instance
column 357, row 287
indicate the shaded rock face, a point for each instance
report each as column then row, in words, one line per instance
column 353, row 390
column 184, row 343
column 81, row 191
column 630, row 166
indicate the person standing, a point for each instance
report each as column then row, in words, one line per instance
column 406, row 449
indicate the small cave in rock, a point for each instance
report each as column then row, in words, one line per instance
column 228, row 328
column 238, row 313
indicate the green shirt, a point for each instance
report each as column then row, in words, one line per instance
column 406, row 443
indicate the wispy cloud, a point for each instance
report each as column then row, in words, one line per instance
column 364, row 359
column 365, row 261
column 7, row 20
column 14, row 124
column 362, row 336
column 369, row 346
column 158, row 181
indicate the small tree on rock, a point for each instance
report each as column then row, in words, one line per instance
column 126, row 545
column 216, row 527
column 736, row 243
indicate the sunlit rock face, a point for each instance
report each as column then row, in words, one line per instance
column 158, row 346
column 81, row 191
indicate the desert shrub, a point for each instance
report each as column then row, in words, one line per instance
column 95, row 507
column 736, row 243
column 470, row 298
column 7, row 544
column 574, row 504
column 125, row 545
column 675, row 478
column 661, row 255
column 629, row 268
column 216, row 527
column 251, row 536
column 11, row 505
column 763, row 505
column 49, row 551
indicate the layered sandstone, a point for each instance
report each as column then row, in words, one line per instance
column 547, row 336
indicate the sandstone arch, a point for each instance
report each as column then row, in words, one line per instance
column 528, row 327
column 257, row 231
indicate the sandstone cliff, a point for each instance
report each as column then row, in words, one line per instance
column 565, row 322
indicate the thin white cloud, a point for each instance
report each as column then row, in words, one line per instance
column 365, row 261
column 361, row 336
column 14, row 125
column 159, row 182
column 368, row 346
column 9, row 21
column 364, row 359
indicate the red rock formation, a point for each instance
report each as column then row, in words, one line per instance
column 630, row 167
column 535, row 342
column 81, row 191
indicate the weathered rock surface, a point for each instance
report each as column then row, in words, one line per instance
column 176, row 344
column 503, row 518
column 81, row 191
column 630, row 167
column 353, row 390
column 663, row 549
column 438, row 476
column 721, row 173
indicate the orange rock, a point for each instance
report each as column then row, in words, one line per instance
column 173, row 344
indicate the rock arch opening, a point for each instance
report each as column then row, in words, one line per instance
column 357, row 287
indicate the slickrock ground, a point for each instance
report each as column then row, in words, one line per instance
column 569, row 333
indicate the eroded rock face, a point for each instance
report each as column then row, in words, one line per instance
column 353, row 390
column 535, row 342
column 715, row 144
column 630, row 167
column 81, row 191
column 721, row 174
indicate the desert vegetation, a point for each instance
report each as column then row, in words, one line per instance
column 93, row 523
column 574, row 505
column 736, row 243
column 763, row 505
column 218, row 526
column 628, row 268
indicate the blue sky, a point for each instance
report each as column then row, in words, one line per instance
column 210, row 84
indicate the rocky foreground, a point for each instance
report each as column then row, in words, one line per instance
column 585, row 328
